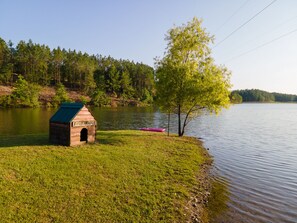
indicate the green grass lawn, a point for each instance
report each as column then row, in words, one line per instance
column 127, row 176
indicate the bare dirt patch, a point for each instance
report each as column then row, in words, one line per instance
column 5, row 90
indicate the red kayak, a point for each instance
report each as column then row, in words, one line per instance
column 153, row 129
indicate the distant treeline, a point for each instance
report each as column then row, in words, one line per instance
column 89, row 74
column 255, row 95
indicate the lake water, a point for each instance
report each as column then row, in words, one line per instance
column 254, row 148
column 255, row 151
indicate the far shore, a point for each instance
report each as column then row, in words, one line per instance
column 47, row 93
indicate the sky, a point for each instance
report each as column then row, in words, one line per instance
column 261, row 54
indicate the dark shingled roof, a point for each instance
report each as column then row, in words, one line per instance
column 66, row 112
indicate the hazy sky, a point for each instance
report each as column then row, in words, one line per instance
column 135, row 30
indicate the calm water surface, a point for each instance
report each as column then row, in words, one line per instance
column 255, row 151
column 254, row 148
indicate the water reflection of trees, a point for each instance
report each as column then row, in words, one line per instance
column 219, row 197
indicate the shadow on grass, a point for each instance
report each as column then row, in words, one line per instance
column 24, row 140
column 102, row 137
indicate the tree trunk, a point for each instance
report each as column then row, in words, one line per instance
column 179, row 121
column 185, row 122
column 182, row 131
column 168, row 123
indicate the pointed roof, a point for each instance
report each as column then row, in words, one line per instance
column 66, row 112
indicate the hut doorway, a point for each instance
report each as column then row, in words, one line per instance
column 84, row 135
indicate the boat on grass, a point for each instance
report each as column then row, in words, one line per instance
column 153, row 129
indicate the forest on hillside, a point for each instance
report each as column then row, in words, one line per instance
column 28, row 67
column 255, row 95
column 96, row 76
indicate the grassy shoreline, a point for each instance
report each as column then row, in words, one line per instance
column 128, row 176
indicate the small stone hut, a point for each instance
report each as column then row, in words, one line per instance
column 72, row 125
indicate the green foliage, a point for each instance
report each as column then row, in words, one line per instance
column 31, row 60
column 130, row 176
column 5, row 101
column 99, row 98
column 147, row 97
column 113, row 80
column 57, row 58
column 187, row 78
column 123, row 78
column 126, row 88
column 76, row 70
column 34, row 95
column 255, row 95
column 6, row 66
column 235, row 98
column 60, row 96
column 84, row 100
column 48, row 105
column 24, row 94
column 284, row 97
